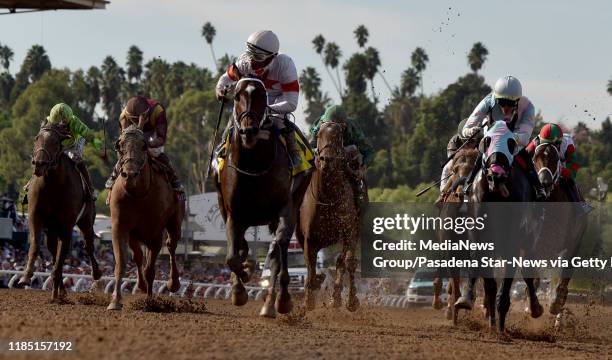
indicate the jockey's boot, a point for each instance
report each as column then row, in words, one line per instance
column 293, row 149
column 89, row 188
column 26, row 187
column 532, row 176
column 475, row 170
column 172, row 177
column 111, row 181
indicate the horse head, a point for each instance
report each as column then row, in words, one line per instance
column 132, row 150
column 330, row 147
column 548, row 165
column 498, row 147
column 48, row 147
column 250, row 109
column 463, row 163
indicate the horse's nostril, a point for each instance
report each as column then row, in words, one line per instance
column 123, row 174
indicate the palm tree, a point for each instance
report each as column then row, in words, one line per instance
column 134, row 63
column 372, row 65
column 419, row 60
column 332, row 58
column 319, row 44
column 310, row 82
column 361, row 34
column 209, row 32
column 111, row 83
column 477, row 56
column 610, row 87
column 36, row 63
column 6, row 56
column 410, row 81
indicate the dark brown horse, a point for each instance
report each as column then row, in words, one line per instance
column 454, row 196
column 328, row 216
column 255, row 187
column 58, row 200
column 503, row 181
column 563, row 228
column 143, row 205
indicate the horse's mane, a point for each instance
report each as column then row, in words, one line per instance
column 132, row 130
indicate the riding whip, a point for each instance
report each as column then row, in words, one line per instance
column 214, row 143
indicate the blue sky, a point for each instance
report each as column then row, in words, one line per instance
column 559, row 49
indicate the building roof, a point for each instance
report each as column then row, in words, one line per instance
column 40, row 5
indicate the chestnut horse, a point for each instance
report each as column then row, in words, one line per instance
column 58, row 201
column 143, row 205
column 255, row 187
column 329, row 215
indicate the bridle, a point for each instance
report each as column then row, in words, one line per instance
column 50, row 159
column 124, row 159
column 542, row 147
column 319, row 152
column 238, row 117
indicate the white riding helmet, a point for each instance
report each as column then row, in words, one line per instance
column 262, row 44
column 508, row 87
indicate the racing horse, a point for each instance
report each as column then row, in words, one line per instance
column 328, row 215
column 502, row 181
column 143, row 205
column 58, row 200
column 563, row 227
column 453, row 206
column 256, row 187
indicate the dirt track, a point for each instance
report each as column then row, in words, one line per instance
column 225, row 331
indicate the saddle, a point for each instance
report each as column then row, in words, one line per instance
column 305, row 151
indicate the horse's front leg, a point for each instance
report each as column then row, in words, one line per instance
column 286, row 226
column 59, row 291
column 235, row 233
column 35, row 228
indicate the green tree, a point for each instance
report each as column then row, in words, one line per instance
column 609, row 87
column 208, row 33
column 409, row 82
column 192, row 119
column 134, row 64
column 111, row 85
column 332, row 59
column 154, row 83
column 477, row 56
column 224, row 62
column 361, row 35
column 419, row 60
column 6, row 56
column 372, row 65
column 35, row 64
column 310, row 83
column 318, row 44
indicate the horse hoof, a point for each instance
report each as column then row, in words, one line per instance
column 95, row 286
column 23, row 282
column 464, row 303
column 114, row 305
column 353, row 304
column 310, row 302
column 437, row 303
column 536, row 310
column 283, row 304
column 449, row 313
column 173, row 285
column 96, row 274
column 555, row 308
column 239, row 295
column 268, row 311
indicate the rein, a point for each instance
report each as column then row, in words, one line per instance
column 52, row 159
column 555, row 176
column 125, row 159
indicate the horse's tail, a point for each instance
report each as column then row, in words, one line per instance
column 273, row 226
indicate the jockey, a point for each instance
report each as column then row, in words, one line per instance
column 553, row 134
column 507, row 103
column 153, row 115
column 62, row 114
column 277, row 71
column 455, row 142
column 354, row 139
